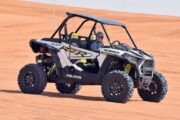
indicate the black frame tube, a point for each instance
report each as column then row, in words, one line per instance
column 130, row 38
column 66, row 32
column 81, row 25
column 60, row 27
column 106, row 35
column 92, row 29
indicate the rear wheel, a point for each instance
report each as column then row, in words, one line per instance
column 158, row 89
column 67, row 88
column 117, row 86
column 32, row 79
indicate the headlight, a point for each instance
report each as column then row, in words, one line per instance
column 131, row 58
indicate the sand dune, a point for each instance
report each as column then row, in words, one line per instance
column 21, row 21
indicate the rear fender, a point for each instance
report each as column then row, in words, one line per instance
column 35, row 46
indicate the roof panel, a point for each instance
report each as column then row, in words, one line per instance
column 98, row 19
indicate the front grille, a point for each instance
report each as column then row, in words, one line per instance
column 147, row 73
column 147, row 68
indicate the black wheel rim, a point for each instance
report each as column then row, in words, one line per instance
column 68, row 85
column 30, row 79
column 116, row 87
column 153, row 88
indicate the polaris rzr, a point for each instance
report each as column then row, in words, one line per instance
column 66, row 60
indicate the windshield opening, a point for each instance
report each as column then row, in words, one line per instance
column 117, row 34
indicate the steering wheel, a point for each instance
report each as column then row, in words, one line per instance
column 116, row 41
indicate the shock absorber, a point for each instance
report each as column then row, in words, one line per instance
column 51, row 69
column 127, row 68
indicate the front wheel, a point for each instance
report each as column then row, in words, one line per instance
column 117, row 86
column 67, row 88
column 32, row 79
column 157, row 89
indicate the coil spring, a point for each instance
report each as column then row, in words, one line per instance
column 51, row 69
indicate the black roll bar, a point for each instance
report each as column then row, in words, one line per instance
column 106, row 35
column 94, row 26
column 130, row 38
column 66, row 19
column 60, row 26
column 81, row 25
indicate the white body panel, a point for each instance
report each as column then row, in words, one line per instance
column 65, row 56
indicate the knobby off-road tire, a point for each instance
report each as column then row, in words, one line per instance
column 32, row 79
column 67, row 88
column 158, row 89
column 117, row 86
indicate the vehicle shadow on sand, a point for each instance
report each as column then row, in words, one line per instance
column 53, row 94
column 58, row 95
column 81, row 97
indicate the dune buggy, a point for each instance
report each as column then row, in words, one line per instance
column 117, row 67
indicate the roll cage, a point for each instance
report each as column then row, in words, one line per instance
column 101, row 21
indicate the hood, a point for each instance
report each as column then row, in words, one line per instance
column 141, row 53
column 121, row 52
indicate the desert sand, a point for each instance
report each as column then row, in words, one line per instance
column 21, row 21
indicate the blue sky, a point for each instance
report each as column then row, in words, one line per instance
column 161, row 7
